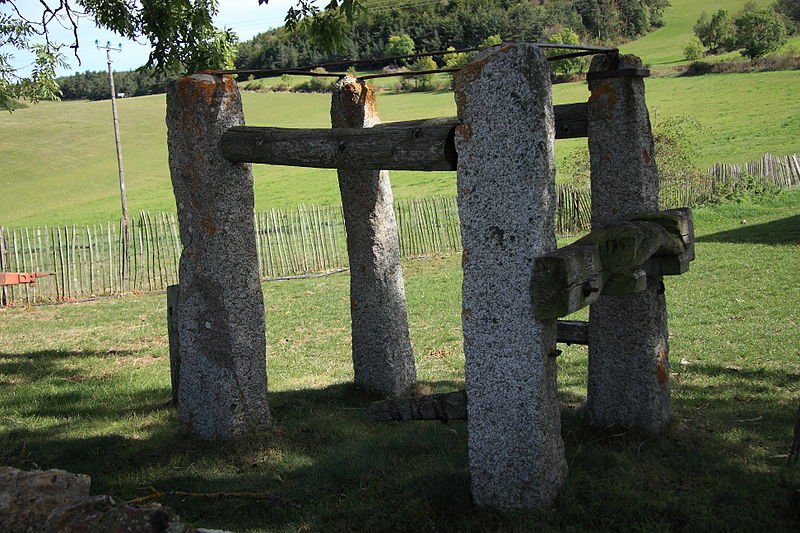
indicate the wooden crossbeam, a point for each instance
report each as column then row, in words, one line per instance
column 426, row 144
column 614, row 261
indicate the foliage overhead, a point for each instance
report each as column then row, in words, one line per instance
column 180, row 32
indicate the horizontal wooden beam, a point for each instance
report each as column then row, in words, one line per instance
column 614, row 261
column 426, row 144
column 443, row 406
column 572, row 332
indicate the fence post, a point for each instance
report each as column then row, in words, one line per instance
column 382, row 356
column 628, row 383
column 3, row 292
column 506, row 201
column 222, row 388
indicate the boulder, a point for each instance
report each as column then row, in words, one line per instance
column 27, row 498
column 103, row 514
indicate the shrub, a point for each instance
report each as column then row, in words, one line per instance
column 694, row 50
column 744, row 188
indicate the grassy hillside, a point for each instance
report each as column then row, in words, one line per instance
column 60, row 166
column 665, row 45
column 90, row 393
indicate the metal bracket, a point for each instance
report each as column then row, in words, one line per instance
column 621, row 73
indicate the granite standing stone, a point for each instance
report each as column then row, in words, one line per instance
column 506, row 198
column 383, row 360
column 222, row 379
column 628, row 382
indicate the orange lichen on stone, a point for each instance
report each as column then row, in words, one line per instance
column 464, row 132
column 663, row 373
column 364, row 109
column 191, row 89
column 208, row 225
column 604, row 96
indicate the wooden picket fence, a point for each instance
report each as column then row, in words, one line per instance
column 87, row 260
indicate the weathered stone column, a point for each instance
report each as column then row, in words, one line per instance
column 628, row 365
column 506, row 198
column 382, row 356
column 222, row 378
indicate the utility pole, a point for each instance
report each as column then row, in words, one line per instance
column 123, row 198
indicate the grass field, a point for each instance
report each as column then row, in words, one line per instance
column 664, row 47
column 86, row 388
column 60, row 166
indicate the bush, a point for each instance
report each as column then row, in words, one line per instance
column 787, row 61
column 676, row 151
column 694, row 50
column 745, row 188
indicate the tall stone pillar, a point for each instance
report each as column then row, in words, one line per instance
column 383, row 360
column 220, row 318
column 506, row 199
column 628, row 353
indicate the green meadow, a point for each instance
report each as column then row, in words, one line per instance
column 59, row 163
column 86, row 387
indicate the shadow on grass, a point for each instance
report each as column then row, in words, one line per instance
column 350, row 474
column 42, row 364
column 783, row 231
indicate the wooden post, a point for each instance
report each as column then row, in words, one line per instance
column 628, row 383
column 506, row 200
column 3, row 293
column 382, row 356
column 173, row 302
column 222, row 382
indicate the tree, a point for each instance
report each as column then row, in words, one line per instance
column 455, row 59
column 718, row 33
column 399, row 45
column 566, row 66
column 424, row 82
column 791, row 10
column 180, row 32
column 694, row 50
column 759, row 32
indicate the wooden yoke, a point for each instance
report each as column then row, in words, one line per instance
column 615, row 261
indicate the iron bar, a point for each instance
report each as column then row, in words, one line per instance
column 581, row 50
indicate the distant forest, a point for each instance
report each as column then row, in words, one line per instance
column 436, row 25
column 431, row 24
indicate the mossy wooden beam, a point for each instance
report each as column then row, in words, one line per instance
column 613, row 261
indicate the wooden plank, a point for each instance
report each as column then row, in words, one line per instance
column 572, row 332
column 173, row 300
column 444, row 406
column 413, row 145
